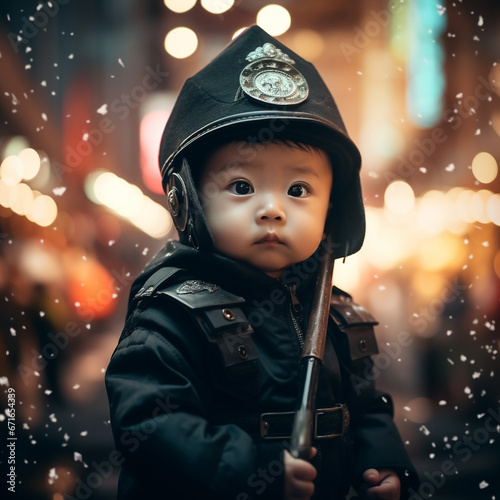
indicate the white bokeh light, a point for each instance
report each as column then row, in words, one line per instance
column 217, row 6
column 179, row 6
column 274, row 19
column 181, row 42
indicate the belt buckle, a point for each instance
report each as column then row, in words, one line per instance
column 265, row 424
column 345, row 421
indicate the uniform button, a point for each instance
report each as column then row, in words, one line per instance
column 228, row 314
column 243, row 351
column 363, row 345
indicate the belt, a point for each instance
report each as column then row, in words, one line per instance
column 327, row 423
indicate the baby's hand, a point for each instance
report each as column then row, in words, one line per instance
column 383, row 483
column 299, row 477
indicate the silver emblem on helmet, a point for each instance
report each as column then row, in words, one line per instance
column 271, row 77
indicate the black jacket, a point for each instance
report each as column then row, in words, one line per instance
column 190, row 379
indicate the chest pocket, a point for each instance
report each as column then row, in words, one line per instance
column 357, row 323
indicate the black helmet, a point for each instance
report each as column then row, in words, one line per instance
column 257, row 90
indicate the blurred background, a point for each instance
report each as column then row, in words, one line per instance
column 85, row 90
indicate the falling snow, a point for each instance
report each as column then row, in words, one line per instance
column 52, row 476
column 424, row 430
column 59, row 191
column 103, row 110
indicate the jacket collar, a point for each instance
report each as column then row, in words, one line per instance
column 236, row 276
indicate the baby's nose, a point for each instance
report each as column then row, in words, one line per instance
column 271, row 210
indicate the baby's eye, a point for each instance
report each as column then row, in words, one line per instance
column 298, row 191
column 241, row 188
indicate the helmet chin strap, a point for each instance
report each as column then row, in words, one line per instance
column 186, row 210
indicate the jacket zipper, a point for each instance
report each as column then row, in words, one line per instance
column 295, row 313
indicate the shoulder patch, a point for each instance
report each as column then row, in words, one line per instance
column 196, row 294
column 195, row 286
column 161, row 277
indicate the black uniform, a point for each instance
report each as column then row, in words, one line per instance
column 205, row 376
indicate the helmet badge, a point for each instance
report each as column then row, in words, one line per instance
column 271, row 77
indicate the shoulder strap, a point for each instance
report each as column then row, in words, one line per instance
column 356, row 321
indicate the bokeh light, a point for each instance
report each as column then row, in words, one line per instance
column 274, row 19
column 11, row 170
column 21, row 199
column 478, row 204
column 31, row 163
column 179, row 6
column 454, row 223
column 463, row 206
column 484, row 167
column 217, row 6
column 14, row 145
column 493, row 209
column 43, row 210
column 181, row 42
column 90, row 287
column 435, row 211
column 399, row 197
column 129, row 202
column 150, row 132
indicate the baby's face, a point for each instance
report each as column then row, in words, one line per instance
column 266, row 205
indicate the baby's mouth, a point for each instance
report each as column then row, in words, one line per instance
column 270, row 239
